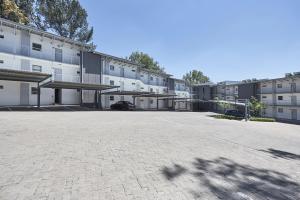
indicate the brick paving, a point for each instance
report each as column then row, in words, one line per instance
column 146, row 155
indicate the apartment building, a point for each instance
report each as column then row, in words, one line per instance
column 282, row 97
column 31, row 52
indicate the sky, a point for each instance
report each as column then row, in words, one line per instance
column 225, row 39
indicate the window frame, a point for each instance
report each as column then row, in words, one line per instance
column 33, row 66
column 35, row 48
column 280, row 98
column 111, row 67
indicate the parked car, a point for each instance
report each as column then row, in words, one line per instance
column 235, row 113
column 122, row 105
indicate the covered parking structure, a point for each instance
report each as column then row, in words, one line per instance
column 79, row 86
column 25, row 76
column 174, row 99
column 154, row 95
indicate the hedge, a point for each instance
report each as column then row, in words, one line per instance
column 262, row 119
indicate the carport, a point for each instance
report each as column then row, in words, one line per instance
column 80, row 86
column 25, row 76
column 154, row 95
column 177, row 99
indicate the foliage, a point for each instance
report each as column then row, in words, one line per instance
column 262, row 119
column 10, row 10
column 195, row 77
column 222, row 104
column 146, row 60
column 65, row 17
column 227, row 117
column 256, row 106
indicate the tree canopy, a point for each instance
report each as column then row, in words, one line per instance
column 195, row 77
column 146, row 60
column 67, row 18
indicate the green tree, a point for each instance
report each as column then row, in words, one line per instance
column 256, row 106
column 67, row 18
column 146, row 60
column 195, row 77
column 10, row 10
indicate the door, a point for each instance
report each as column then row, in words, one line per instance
column 293, row 87
column 25, row 43
column 24, row 94
column 57, row 98
column 58, row 55
column 294, row 114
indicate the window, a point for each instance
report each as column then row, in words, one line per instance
column 151, row 78
column 111, row 82
column 1, row 61
column 36, row 47
column 133, row 83
column 279, row 85
column 78, row 72
column 112, row 98
column 264, row 97
column 112, row 68
column 133, row 70
column 78, row 54
column 36, row 68
column 280, row 110
column 280, row 98
column 264, row 86
column 1, row 87
column 151, row 101
column 142, row 88
column 34, row 90
column 142, row 75
column 1, row 36
column 151, row 89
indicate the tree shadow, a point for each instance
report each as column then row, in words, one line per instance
column 281, row 154
column 227, row 179
column 172, row 172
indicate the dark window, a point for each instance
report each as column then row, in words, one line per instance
column 112, row 98
column 280, row 110
column 280, row 97
column 133, row 83
column 36, row 68
column 1, row 87
column 142, row 75
column 151, row 78
column 133, row 70
column 111, row 82
column 264, row 97
column 1, row 36
column 58, row 55
column 78, row 72
column 151, row 101
column 279, row 85
column 112, row 68
column 36, row 47
column 1, row 61
column 34, row 90
column 78, row 54
column 151, row 89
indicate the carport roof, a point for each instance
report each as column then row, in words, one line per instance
column 74, row 85
column 26, row 76
column 124, row 93
column 155, row 95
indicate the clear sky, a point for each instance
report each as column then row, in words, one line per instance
column 226, row 39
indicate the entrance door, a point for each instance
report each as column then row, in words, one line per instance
column 294, row 114
column 24, row 94
column 57, row 98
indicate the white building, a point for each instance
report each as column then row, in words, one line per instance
column 26, row 49
column 282, row 97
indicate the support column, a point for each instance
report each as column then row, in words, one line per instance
column 156, row 103
column 38, row 95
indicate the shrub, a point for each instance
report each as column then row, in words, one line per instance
column 262, row 119
column 227, row 117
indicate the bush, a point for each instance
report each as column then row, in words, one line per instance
column 262, row 119
column 227, row 117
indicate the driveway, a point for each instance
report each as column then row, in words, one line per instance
column 146, row 155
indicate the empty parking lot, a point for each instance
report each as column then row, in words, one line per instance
column 146, row 155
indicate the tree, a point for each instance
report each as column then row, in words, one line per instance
column 195, row 77
column 10, row 10
column 256, row 106
column 65, row 17
column 146, row 60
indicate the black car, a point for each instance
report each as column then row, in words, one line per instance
column 122, row 105
column 235, row 113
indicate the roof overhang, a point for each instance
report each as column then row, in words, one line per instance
column 124, row 93
column 18, row 75
column 74, row 85
column 156, row 95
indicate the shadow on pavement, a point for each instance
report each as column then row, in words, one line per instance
column 227, row 179
column 281, row 154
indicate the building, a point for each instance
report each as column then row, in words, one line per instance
column 40, row 68
column 281, row 96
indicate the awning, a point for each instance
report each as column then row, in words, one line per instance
column 74, row 85
column 124, row 93
column 18, row 75
column 156, row 95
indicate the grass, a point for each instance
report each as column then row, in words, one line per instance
column 262, row 119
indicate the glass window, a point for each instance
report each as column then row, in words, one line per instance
column 112, row 68
column 1, row 61
column 36, row 47
column 280, row 98
column 280, row 110
column 279, row 85
column 1, row 36
column 1, row 87
column 58, row 55
column 36, row 68
column 111, row 82
column 112, row 98
column 34, row 90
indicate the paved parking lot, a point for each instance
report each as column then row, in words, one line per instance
column 146, row 155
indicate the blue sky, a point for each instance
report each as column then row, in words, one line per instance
column 226, row 39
